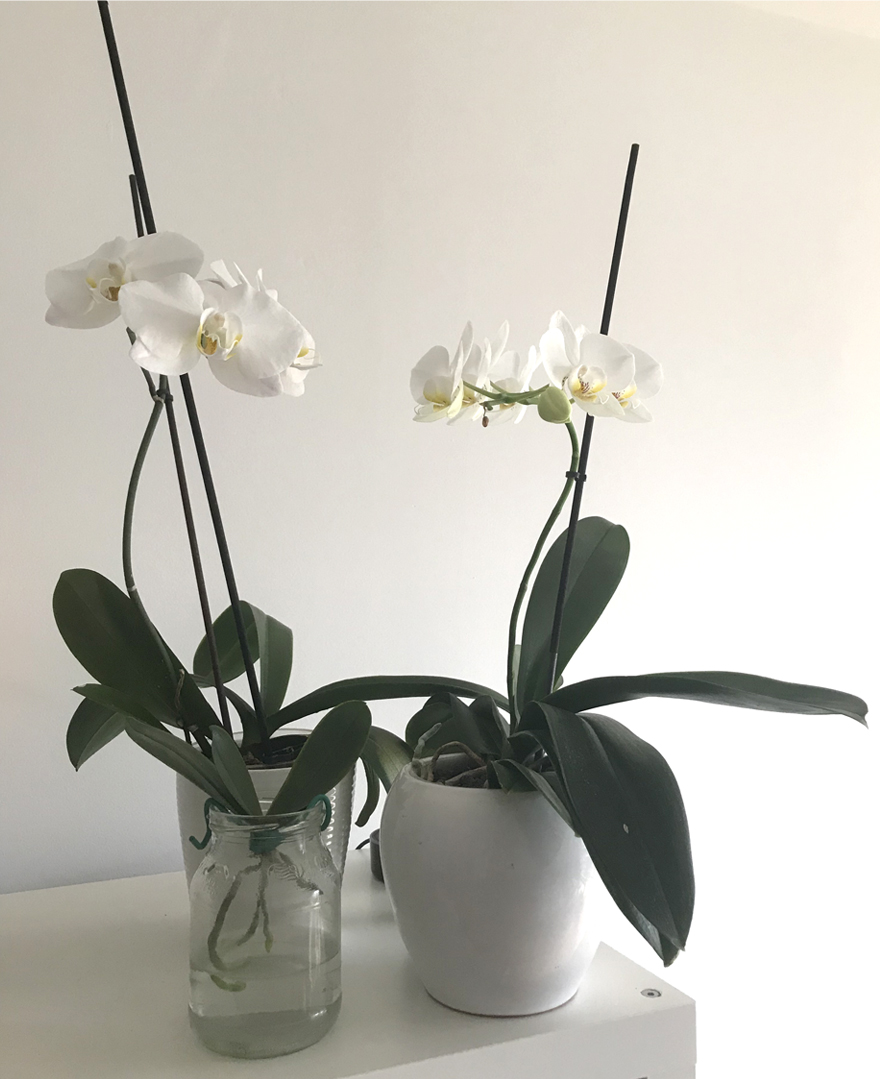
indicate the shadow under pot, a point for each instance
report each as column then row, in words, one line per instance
column 493, row 894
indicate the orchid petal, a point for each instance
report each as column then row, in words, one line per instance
column 648, row 375
column 556, row 361
column 435, row 362
column 73, row 304
column 613, row 358
column 635, row 412
column 150, row 258
column 233, row 377
column 165, row 316
column 271, row 338
column 561, row 323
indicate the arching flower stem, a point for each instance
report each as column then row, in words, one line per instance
column 530, row 569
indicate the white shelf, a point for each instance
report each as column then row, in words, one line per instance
column 94, row 982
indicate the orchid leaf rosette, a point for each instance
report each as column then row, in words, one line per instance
column 256, row 346
column 613, row 788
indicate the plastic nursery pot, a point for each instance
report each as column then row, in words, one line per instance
column 265, row 933
column 191, row 809
column 493, row 895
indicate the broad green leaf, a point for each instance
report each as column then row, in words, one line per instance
column 493, row 726
column 104, row 630
column 250, row 733
column 185, row 760
column 91, row 727
column 233, row 771
column 379, row 688
column 372, row 798
column 516, row 777
column 331, row 750
column 711, row 687
column 117, row 700
column 457, row 724
column 228, row 647
column 275, row 643
column 599, row 557
column 627, row 807
column 385, row 754
column 194, row 710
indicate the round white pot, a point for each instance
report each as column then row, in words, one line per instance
column 267, row 781
column 492, row 893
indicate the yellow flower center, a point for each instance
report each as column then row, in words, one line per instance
column 218, row 332
column 106, row 278
column 586, row 384
column 623, row 396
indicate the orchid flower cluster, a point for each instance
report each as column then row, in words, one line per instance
column 600, row 375
column 252, row 343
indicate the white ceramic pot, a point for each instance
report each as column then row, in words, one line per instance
column 191, row 812
column 492, row 893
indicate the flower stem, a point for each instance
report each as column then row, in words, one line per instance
column 127, row 520
column 530, row 568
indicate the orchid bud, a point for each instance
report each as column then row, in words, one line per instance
column 554, row 405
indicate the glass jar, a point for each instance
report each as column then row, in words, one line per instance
column 265, row 934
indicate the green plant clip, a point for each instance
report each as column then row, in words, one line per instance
column 210, row 804
column 328, row 809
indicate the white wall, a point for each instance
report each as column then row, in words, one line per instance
column 397, row 169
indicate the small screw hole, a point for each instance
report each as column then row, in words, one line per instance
column 651, row 993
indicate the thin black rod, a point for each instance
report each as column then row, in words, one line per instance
column 581, row 477
column 125, row 109
column 194, row 550
column 136, row 204
column 146, row 208
column 164, row 397
column 225, row 559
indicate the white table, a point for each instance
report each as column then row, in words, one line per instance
column 94, row 981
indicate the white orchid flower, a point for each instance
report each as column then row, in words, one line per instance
column 647, row 380
column 436, row 381
column 85, row 294
column 477, row 374
column 291, row 381
column 250, row 340
column 513, row 375
column 602, row 376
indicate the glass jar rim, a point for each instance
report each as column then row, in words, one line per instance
column 222, row 822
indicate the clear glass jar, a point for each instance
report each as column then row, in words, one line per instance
column 265, row 934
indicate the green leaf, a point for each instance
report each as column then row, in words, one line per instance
column 385, row 754
column 250, row 732
column 193, row 709
column 457, row 724
column 627, row 807
column 712, row 687
column 372, row 798
column 275, row 644
column 185, row 760
column 91, row 727
column 228, row 648
column 516, row 777
column 233, row 771
column 117, row 700
column 599, row 557
column 493, row 726
column 378, row 688
column 104, row 630
column 330, row 751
